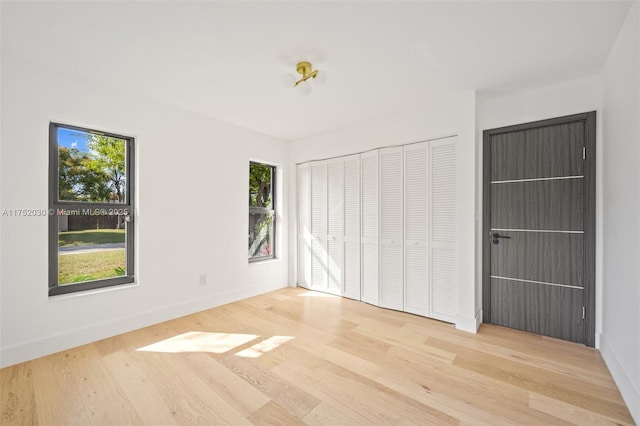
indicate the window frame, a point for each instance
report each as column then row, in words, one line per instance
column 263, row 210
column 55, row 205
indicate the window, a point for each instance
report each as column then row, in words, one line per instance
column 262, row 214
column 90, row 206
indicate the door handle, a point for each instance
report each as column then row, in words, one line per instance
column 496, row 235
column 495, row 238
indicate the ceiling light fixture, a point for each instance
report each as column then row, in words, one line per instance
column 305, row 69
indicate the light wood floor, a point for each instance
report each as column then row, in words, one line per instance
column 294, row 356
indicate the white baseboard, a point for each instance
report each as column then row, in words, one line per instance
column 629, row 392
column 470, row 324
column 36, row 348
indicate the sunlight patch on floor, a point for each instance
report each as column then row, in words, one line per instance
column 266, row 345
column 200, row 341
column 317, row 294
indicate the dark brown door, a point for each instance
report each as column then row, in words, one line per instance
column 539, row 227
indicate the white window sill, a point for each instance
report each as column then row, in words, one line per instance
column 262, row 262
column 76, row 294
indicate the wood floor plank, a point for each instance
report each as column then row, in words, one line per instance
column 569, row 412
column 293, row 356
column 359, row 343
column 553, row 361
column 243, row 397
column 173, row 384
column 326, row 414
column 290, row 353
column 570, row 382
column 366, row 401
column 544, row 347
column 96, row 384
column 532, row 384
column 190, row 400
column 17, row 396
column 334, row 397
column 498, row 399
column 273, row 414
column 62, row 402
column 295, row 400
column 353, row 363
column 210, row 406
column 457, row 409
column 280, row 325
column 391, row 405
column 139, row 384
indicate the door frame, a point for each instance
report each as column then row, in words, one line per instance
column 589, row 200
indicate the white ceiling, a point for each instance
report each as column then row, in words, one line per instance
column 226, row 59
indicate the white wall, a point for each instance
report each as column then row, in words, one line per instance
column 191, row 213
column 442, row 116
column 570, row 97
column 620, row 339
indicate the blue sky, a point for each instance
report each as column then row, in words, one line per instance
column 73, row 139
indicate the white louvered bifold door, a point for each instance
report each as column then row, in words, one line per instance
column 318, row 225
column 369, row 236
column 444, row 283
column 334, row 226
column 391, row 229
column 351, row 231
column 304, row 230
column 416, row 222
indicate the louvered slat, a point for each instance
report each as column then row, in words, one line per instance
column 334, row 197
column 334, row 266
column 351, row 173
column 318, row 225
column 370, row 273
column 352, row 269
column 351, row 238
column 319, row 198
column 443, row 191
column 391, row 229
column 391, row 193
column 392, row 277
column 318, row 265
column 369, row 173
column 416, row 181
column 304, row 233
column 417, row 280
column 416, row 213
column 369, row 237
column 334, row 226
column 444, row 285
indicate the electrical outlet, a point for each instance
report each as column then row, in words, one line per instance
column 203, row 279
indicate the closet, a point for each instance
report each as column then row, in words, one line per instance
column 380, row 227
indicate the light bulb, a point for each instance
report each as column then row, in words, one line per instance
column 288, row 81
column 321, row 77
column 304, row 88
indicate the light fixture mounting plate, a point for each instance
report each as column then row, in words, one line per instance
column 304, row 68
